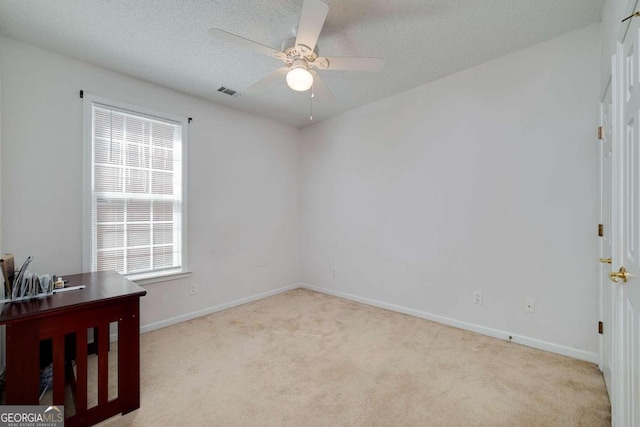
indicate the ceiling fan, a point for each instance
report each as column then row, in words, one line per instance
column 300, row 54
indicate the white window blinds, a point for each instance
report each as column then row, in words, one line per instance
column 136, row 192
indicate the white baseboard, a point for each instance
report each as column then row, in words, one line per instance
column 518, row 339
column 184, row 317
column 496, row 333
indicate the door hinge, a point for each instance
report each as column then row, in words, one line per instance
column 601, row 132
column 600, row 230
column 600, row 327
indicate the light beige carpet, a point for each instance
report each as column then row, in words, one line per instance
column 306, row 359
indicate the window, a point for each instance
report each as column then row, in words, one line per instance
column 136, row 207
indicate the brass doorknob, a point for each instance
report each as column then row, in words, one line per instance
column 605, row 260
column 616, row 276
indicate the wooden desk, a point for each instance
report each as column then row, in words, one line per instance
column 108, row 297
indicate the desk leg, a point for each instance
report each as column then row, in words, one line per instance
column 129, row 357
column 23, row 360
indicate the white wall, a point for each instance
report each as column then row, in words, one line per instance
column 2, row 328
column 243, row 181
column 1, row 44
column 485, row 180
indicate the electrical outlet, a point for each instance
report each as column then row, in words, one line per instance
column 477, row 297
column 333, row 272
column 529, row 306
column 194, row 288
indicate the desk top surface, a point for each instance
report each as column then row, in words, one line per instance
column 100, row 287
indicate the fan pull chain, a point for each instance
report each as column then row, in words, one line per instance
column 313, row 95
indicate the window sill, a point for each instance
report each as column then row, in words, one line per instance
column 147, row 279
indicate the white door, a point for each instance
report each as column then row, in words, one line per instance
column 607, row 291
column 626, row 246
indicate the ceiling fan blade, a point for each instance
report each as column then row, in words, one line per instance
column 349, row 63
column 321, row 89
column 314, row 12
column 267, row 80
column 245, row 43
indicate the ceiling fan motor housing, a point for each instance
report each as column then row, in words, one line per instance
column 301, row 52
column 299, row 63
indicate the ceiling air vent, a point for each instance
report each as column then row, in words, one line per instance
column 228, row 91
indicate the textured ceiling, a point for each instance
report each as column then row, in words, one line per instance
column 166, row 42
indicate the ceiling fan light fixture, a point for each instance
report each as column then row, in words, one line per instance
column 299, row 79
column 300, row 54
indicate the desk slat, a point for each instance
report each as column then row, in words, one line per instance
column 103, row 363
column 81, row 371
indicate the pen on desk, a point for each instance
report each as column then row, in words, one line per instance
column 70, row 288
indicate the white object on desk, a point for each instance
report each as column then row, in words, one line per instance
column 69, row 288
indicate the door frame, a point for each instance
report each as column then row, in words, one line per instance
column 604, row 283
